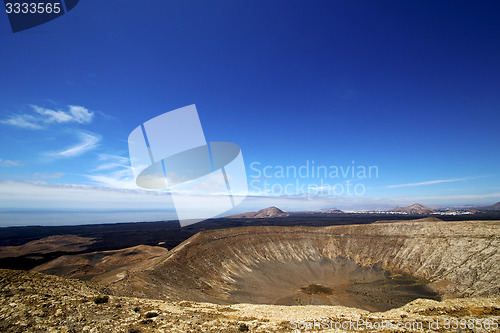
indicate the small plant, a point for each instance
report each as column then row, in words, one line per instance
column 151, row 314
column 101, row 299
column 136, row 309
column 244, row 328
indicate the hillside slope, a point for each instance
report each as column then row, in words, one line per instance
column 104, row 266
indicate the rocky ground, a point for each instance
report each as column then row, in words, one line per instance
column 34, row 302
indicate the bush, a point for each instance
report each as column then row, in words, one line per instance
column 244, row 328
column 101, row 299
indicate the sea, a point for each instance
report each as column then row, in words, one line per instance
column 71, row 217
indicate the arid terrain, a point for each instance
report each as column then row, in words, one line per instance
column 271, row 279
column 105, row 266
column 33, row 302
column 57, row 243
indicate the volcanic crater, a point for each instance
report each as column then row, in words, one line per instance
column 373, row 267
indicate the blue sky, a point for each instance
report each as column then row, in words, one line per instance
column 411, row 88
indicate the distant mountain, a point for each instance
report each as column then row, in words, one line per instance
column 331, row 211
column 263, row 213
column 492, row 207
column 413, row 209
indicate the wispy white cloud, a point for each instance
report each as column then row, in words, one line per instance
column 114, row 158
column 111, row 161
column 22, row 121
column 34, row 176
column 108, row 166
column 88, row 141
column 115, row 171
column 39, row 194
column 10, row 163
column 47, row 175
column 43, row 117
column 454, row 197
column 75, row 113
column 116, row 178
column 429, row 182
